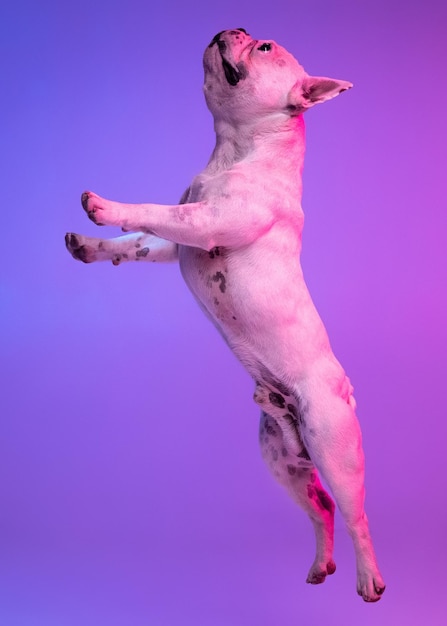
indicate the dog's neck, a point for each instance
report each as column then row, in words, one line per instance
column 281, row 136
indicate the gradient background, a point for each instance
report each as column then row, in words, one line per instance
column 132, row 489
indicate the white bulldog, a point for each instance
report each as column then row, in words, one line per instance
column 237, row 235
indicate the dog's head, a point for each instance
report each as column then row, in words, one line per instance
column 247, row 78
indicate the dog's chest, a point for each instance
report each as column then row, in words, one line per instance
column 208, row 276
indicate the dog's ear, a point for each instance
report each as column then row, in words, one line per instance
column 314, row 90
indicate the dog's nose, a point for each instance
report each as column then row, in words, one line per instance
column 216, row 38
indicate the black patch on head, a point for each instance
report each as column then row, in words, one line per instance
column 277, row 400
column 218, row 277
column 215, row 39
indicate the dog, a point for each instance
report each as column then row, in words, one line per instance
column 237, row 236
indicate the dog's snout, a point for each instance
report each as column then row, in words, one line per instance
column 217, row 37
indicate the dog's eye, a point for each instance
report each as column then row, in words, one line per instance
column 265, row 47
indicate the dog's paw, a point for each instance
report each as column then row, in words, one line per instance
column 95, row 207
column 317, row 573
column 370, row 587
column 79, row 249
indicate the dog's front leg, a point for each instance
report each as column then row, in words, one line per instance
column 197, row 224
column 131, row 247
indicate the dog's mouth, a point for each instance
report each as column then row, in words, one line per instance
column 234, row 72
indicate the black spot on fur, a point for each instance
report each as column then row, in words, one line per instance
column 81, row 254
column 218, row 277
column 289, row 418
column 274, row 454
column 324, row 500
column 277, row 400
column 291, row 470
column 272, row 381
column 214, row 252
column 270, row 430
column 284, row 451
column 292, row 409
column 304, row 455
column 143, row 252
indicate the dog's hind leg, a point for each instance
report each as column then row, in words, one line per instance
column 300, row 478
column 332, row 436
column 131, row 247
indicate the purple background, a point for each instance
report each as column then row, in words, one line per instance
column 132, row 489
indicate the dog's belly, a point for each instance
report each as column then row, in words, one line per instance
column 262, row 308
